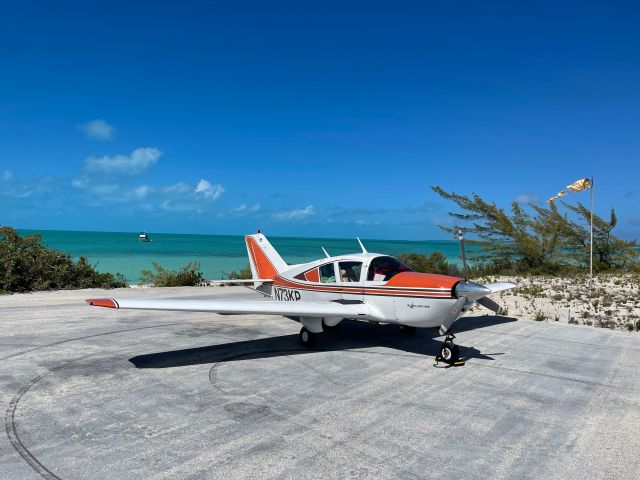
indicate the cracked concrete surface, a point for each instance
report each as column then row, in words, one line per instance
column 100, row 393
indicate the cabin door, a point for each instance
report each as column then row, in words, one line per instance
column 350, row 276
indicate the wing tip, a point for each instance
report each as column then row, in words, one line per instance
column 103, row 302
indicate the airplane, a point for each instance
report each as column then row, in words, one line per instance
column 364, row 286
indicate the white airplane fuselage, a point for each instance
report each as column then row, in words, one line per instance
column 406, row 297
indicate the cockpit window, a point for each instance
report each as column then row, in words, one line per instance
column 350, row 271
column 327, row 273
column 384, row 268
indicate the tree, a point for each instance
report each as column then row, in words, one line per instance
column 542, row 240
column 436, row 262
column 528, row 242
column 609, row 252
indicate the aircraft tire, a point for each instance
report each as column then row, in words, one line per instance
column 330, row 328
column 407, row 329
column 450, row 353
column 307, row 338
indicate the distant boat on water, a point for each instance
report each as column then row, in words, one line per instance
column 143, row 237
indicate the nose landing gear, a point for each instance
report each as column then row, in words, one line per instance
column 449, row 352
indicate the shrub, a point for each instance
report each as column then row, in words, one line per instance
column 243, row 274
column 540, row 317
column 27, row 265
column 187, row 276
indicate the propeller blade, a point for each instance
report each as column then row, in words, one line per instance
column 491, row 305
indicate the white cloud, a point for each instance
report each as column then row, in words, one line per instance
column 244, row 208
column 528, row 198
column 7, row 175
column 179, row 187
column 142, row 191
column 207, row 190
column 297, row 214
column 139, row 160
column 103, row 190
column 98, row 129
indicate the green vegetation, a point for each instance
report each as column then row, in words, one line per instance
column 434, row 263
column 243, row 274
column 541, row 240
column 27, row 265
column 187, row 276
column 540, row 317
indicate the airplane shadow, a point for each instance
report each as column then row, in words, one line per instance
column 352, row 335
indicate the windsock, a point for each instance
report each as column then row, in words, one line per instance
column 577, row 186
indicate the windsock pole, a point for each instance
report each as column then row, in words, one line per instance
column 591, row 242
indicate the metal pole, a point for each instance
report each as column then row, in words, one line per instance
column 591, row 242
column 462, row 254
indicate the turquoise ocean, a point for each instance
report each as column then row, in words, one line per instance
column 122, row 252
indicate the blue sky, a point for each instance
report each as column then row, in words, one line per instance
column 311, row 118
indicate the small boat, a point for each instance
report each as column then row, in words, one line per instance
column 143, row 237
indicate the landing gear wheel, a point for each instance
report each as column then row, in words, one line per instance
column 449, row 353
column 307, row 338
column 331, row 328
column 408, row 329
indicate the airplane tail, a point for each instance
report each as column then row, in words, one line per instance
column 266, row 263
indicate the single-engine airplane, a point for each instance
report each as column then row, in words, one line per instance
column 362, row 286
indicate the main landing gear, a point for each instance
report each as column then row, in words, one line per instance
column 307, row 338
column 449, row 352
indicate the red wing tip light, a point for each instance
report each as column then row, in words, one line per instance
column 102, row 302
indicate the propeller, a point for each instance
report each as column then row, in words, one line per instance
column 486, row 302
column 470, row 289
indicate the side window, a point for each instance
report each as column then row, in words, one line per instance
column 384, row 268
column 327, row 273
column 350, row 271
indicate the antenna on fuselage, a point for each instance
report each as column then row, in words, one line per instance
column 325, row 252
column 364, row 250
column 462, row 253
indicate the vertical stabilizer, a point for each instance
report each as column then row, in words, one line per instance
column 265, row 261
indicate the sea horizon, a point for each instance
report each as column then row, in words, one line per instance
column 218, row 255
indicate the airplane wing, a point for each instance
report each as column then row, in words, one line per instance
column 239, row 307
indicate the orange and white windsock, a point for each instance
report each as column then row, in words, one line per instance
column 577, row 186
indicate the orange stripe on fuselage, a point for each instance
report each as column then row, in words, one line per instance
column 264, row 267
column 376, row 291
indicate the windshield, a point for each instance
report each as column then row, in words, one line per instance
column 384, row 268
